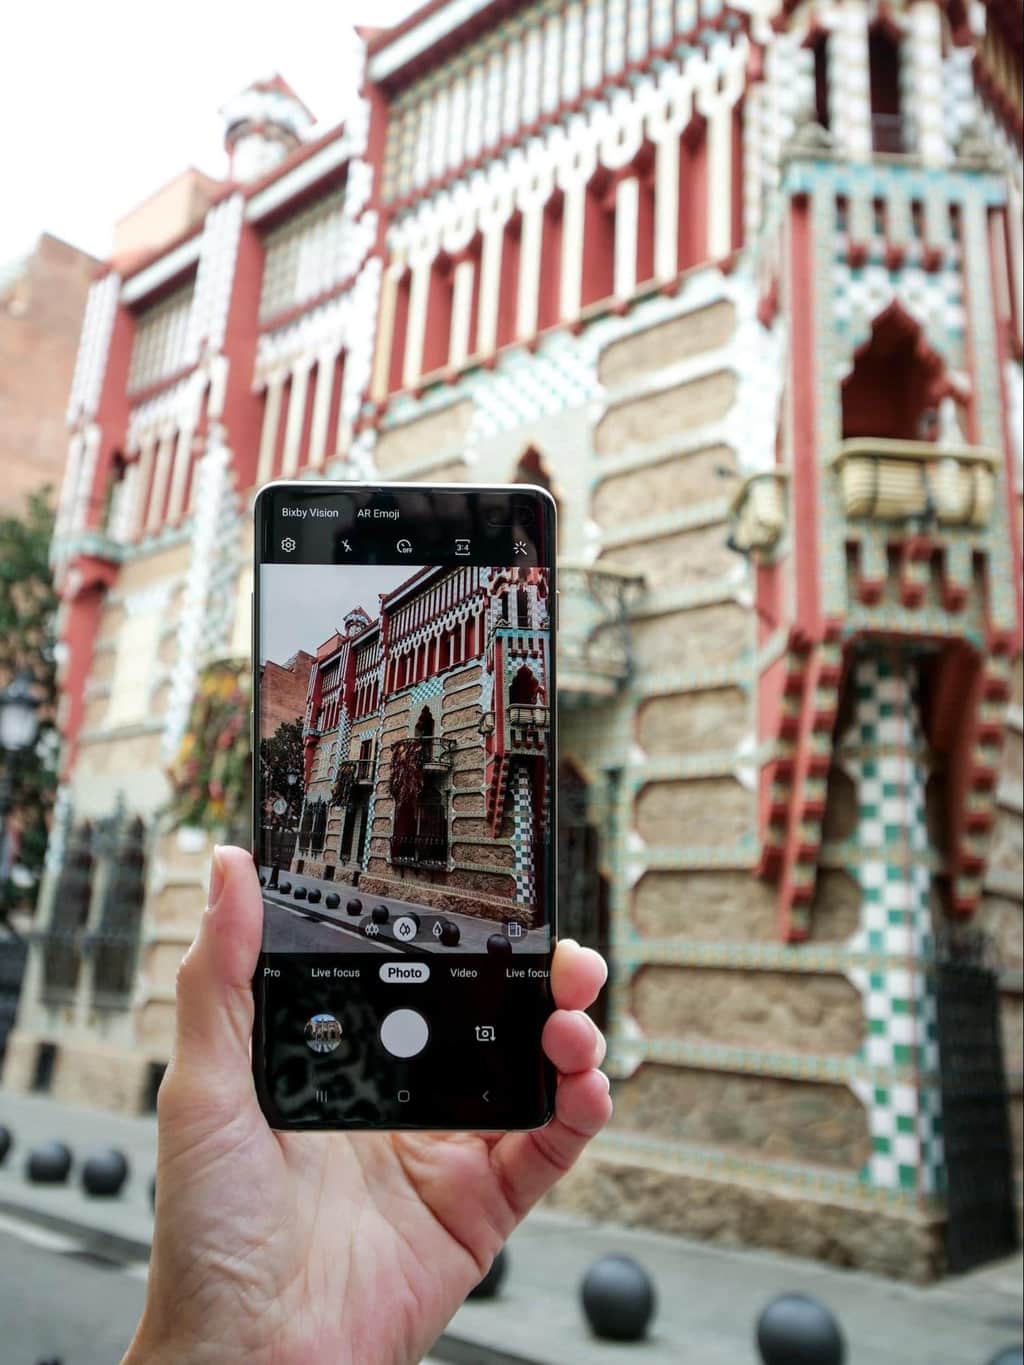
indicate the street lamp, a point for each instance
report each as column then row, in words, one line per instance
column 19, row 726
column 19, row 715
column 283, row 810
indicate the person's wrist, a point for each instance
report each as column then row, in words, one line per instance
column 150, row 1347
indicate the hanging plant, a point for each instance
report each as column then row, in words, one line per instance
column 341, row 793
column 406, row 780
column 211, row 772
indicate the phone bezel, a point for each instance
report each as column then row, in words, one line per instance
column 547, row 503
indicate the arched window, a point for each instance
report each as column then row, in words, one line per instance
column 887, row 131
column 522, row 609
column 533, row 469
column 525, row 689
column 425, row 724
column 819, row 51
column 897, row 383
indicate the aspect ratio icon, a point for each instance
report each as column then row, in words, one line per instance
column 404, row 547
column 462, row 547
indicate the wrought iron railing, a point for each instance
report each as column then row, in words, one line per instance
column 420, row 850
column 431, row 752
column 594, row 651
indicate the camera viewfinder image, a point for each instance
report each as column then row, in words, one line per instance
column 404, row 760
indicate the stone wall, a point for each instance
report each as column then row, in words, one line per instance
column 414, row 442
column 702, row 329
column 671, row 485
column 774, row 1118
column 783, row 1011
column 659, row 415
column 715, row 718
column 885, row 1240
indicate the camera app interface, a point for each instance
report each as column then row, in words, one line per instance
column 403, row 751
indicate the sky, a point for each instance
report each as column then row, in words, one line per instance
column 301, row 605
column 101, row 104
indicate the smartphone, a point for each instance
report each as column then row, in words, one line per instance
column 404, row 804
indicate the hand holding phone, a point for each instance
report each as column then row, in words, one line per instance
column 328, row 1246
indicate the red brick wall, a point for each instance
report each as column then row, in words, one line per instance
column 283, row 692
column 40, row 320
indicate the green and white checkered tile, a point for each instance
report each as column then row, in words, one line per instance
column 887, row 755
column 427, row 690
column 522, row 836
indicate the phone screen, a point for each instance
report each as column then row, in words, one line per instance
column 403, row 738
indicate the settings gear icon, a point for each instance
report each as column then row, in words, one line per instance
column 288, row 545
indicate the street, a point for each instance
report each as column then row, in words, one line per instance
column 59, row 1301
column 474, row 930
column 287, row 929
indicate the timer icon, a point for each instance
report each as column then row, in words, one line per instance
column 288, row 545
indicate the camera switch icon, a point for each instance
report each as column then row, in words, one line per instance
column 485, row 1033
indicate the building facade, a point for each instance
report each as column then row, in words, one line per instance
column 741, row 283
column 42, row 300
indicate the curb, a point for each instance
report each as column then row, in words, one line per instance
column 110, row 1246
column 463, row 1351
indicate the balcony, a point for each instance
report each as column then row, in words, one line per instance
column 892, row 134
column 758, row 514
column 594, row 651
column 419, row 850
column 903, row 481
column 528, row 727
column 431, row 752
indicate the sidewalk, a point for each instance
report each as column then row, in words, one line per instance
column 708, row 1297
column 474, row 929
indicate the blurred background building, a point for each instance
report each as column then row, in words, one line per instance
column 741, row 284
column 42, row 300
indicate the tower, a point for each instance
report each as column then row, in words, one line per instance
column 263, row 123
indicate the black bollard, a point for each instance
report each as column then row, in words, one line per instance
column 450, row 933
column 105, row 1172
column 263, row 879
column 314, row 895
column 6, row 1142
column 795, row 1329
column 49, row 1163
column 333, row 900
column 492, row 1281
column 354, row 906
column 284, row 888
column 380, row 914
column 499, row 946
column 1009, row 1355
column 618, row 1299
column 299, row 893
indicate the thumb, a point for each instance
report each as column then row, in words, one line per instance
column 214, row 989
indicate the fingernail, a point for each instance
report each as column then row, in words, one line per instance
column 607, row 1082
column 216, row 877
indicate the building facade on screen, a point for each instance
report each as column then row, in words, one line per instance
column 741, row 285
column 448, row 685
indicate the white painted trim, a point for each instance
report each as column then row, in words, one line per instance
column 408, row 46
column 181, row 258
column 328, row 159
